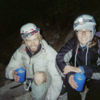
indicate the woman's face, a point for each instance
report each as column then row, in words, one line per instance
column 84, row 36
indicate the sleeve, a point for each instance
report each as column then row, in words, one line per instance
column 14, row 63
column 65, row 54
column 56, row 82
column 82, row 70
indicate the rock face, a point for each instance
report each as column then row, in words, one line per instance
column 58, row 39
column 6, row 93
column 2, row 67
column 2, row 74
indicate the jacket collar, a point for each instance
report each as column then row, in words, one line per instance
column 44, row 45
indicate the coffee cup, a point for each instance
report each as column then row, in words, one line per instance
column 21, row 72
column 80, row 80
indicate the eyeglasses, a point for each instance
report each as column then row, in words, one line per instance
column 87, row 31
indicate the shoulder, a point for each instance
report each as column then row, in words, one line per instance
column 70, row 44
column 20, row 50
column 72, row 41
column 48, row 49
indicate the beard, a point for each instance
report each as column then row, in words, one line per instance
column 33, row 49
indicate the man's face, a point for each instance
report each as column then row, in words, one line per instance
column 33, row 43
column 84, row 36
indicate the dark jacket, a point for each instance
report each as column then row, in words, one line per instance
column 67, row 56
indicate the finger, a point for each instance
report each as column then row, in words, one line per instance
column 14, row 73
column 73, row 83
column 16, row 78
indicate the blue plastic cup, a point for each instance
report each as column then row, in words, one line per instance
column 80, row 80
column 21, row 72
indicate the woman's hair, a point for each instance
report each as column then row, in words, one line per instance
column 40, row 38
column 94, row 41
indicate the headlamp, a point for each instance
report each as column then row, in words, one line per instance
column 81, row 21
column 26, row 35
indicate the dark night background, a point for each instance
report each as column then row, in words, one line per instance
column 51, row 16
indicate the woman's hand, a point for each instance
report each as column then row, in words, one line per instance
column 72, row 83
column 69, row 68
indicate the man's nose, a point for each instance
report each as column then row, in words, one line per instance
column 32, row 43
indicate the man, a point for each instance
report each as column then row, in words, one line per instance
column 38, row 58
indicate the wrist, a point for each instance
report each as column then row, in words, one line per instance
column 77, row 70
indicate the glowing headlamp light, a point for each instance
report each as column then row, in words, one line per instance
column 81, row 21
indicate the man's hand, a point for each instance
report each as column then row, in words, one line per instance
column 72, row 83
column 69, row 68
column 15, row 76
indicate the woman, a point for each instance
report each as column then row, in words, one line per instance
column 80, row 55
